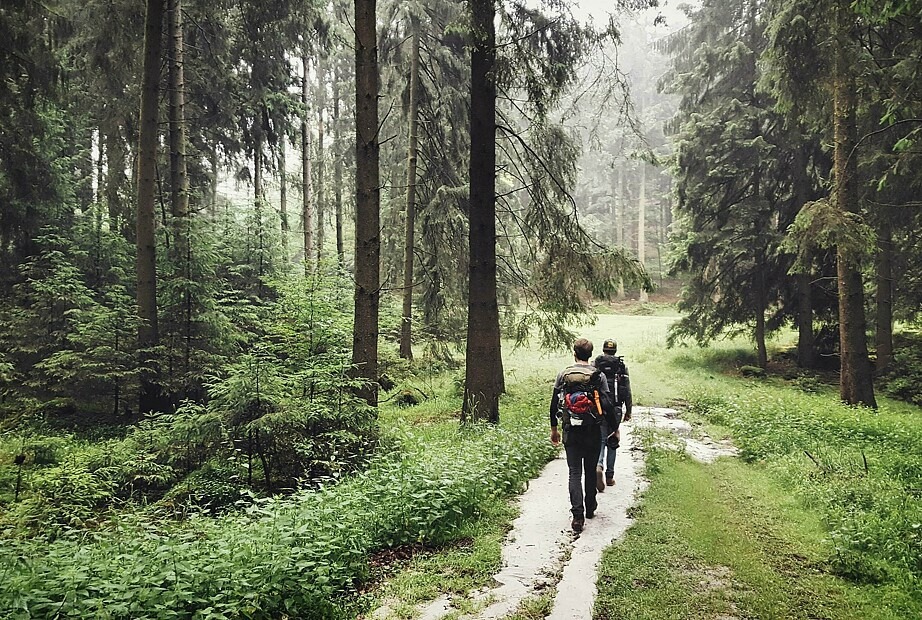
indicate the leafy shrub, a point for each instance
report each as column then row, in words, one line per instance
column 291, row 557
column 904, row 379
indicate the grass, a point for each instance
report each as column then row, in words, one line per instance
column 457, row 569
column 772, row 535
column 727, row 540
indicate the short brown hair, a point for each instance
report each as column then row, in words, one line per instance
column 582, row 349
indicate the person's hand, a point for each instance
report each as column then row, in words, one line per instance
column 627, row 417
column 555, row 436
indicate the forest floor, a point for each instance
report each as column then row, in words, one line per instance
column 541, row 555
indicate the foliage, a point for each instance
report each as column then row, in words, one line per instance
column 295, row 556
column 65, row 340
column 904, row 378
column 821, row 227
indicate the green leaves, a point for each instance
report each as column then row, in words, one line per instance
column 297, row 556
column 820, row 226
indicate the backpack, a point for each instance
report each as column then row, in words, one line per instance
column 580, row 400
column 616, row 374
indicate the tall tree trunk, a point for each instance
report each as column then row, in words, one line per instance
column 761, row 307
column 179, row 179
column 307, row 187
column 259, row 204
column 367, row 202
column 806, row 349
column 115, row 180
column 855, row 380
column 406, row 330
column 806, row 340
column 100, row 173
column 619, row 230
column 484, row 373
column 283, row 190
column 213, row 190
column 884, row 332
column 338, row 170
column 321, row 158
column 146, row 262
column 642, row 223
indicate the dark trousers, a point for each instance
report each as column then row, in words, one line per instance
column 582, row 448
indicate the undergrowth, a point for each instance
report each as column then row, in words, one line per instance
column 299, row 556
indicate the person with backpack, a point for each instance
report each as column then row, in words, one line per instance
column 615, row 371
column 580, row 401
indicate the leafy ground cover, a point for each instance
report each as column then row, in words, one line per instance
column 304, row 556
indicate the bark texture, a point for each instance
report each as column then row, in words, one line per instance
column 484, row 371
column 367, row 202
column 855, row 379
column 146, row 262
column 307, row 186
column 884, row 331
column 406, row 327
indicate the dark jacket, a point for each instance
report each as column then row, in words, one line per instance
column 615, row 370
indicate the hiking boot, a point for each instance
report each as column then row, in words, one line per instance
column 610, row 481
column 577, row 524
column 590, row 514
column 599, row 478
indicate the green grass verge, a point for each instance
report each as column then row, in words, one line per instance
column 726, row 540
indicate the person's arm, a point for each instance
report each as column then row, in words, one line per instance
column 555, row 405
column 628, row 400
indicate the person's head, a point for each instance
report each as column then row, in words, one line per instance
column 610, row 347
column 582, row 349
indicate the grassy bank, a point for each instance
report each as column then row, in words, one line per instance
column 727, row 540
column 820, row 518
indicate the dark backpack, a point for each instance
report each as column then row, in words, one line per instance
column 616, row 373
column 580, row 397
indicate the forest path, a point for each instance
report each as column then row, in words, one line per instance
column 541, row 551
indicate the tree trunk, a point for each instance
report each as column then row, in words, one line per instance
column 367, row 202
column 338, row 170
column 146, row 261
column 179, row 180
column 806, row 349
column 855, row 380
column 806, row 343
column 483, row 377
column 619, row 230
column 642, row 223
column 307, row 188
column 406, row 330
column 761, row 306
column 321, row 157
column 213, row 190
column 283, row 191
column 884, row 332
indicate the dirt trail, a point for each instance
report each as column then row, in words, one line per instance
column 541, row 551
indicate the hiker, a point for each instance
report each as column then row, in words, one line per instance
column 580, row 399
column 619, row 384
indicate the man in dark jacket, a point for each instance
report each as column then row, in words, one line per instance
column 581, row 435
column 619, row 382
